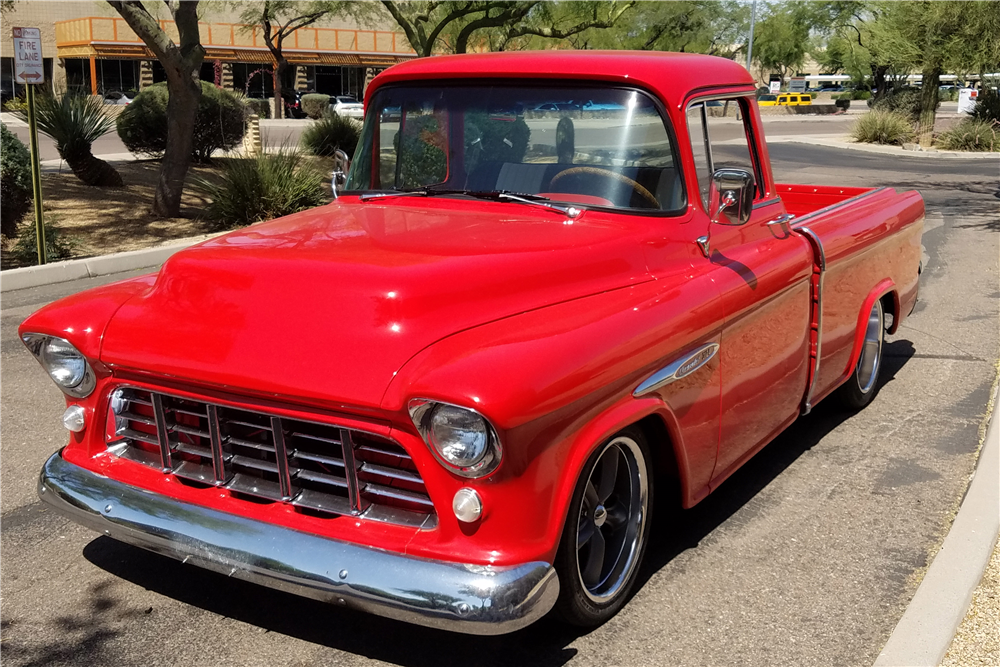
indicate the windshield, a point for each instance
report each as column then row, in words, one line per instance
column 580, row 145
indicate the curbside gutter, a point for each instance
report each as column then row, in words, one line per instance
column 926, row 630
column 74, row 269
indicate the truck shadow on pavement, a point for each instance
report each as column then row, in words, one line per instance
column 545, row 644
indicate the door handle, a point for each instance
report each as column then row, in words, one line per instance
column 782, row 223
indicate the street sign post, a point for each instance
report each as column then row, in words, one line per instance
column 28, row 69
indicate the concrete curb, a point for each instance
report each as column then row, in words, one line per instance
column 837, row 141
column 927, row 628
column 73, row 269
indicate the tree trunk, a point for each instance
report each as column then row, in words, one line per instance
column 928, row 104
column 879, row 79
column 93, row 170
column 182, row 107
column 279, row 100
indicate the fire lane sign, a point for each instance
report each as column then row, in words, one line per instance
column 28, row 56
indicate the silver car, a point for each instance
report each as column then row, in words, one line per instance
column 345, row 105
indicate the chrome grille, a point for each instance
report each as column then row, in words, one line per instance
column 318, row 468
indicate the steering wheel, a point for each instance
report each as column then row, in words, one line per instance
column 606, row 173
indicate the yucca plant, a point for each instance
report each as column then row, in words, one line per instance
column 882, row 127
column 76, row 122
column 261, row 187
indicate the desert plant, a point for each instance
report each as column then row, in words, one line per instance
column 260, row 107
column 76, row 122
column 330, row 133
column 57, row 246
column 882, row 127
column 16, row 104
column 905, row 101
column 15, row 182
column 843, row 103
column 987, row 105
column 972, row 134
column 315, row 105
column 219, row 124
column 262, row 187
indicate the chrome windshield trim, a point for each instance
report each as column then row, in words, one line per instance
column 678, row 369
column 470, row 598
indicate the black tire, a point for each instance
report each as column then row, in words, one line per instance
column 861, row 388
column 594, row 585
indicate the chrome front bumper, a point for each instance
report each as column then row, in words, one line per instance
column 475, row 599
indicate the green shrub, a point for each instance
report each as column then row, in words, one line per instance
column 262, row 187
column 57, row 246
column 220, row 123
column 987, row 105
column 16, row 104
column 882, row 127
column 330, row 133
column 906, row 102
column 948, row 95
column 260, row 107
column 76, row 122
column 315, row 105
column 843, row 103
column 15, row 182
column 972, row 134
column 861, row 94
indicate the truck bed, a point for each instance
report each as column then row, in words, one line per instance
column 800, row 200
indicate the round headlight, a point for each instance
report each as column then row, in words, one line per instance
column 63, row 362
column 460, row 436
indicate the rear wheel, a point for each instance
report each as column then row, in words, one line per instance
column 606, row 531
column 861, row 387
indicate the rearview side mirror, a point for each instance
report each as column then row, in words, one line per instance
column 730, row 197
column 341, row 165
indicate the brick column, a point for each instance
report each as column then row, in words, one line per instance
column 301, row 77
column 145, row 74
column 227, row 76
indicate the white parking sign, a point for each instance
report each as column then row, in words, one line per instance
column 28, row 56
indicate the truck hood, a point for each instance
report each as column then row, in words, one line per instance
column 326, row 305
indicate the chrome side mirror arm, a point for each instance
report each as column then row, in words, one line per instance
column 341, row 165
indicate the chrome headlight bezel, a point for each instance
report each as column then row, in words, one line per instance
column 81, row 384
column 422, row 413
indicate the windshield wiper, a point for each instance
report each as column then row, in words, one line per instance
column 493, row 195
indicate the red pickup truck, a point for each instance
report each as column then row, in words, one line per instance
column 551, row 285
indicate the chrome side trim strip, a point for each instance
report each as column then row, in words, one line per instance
column 767, row 202
column 826, row 209
column 817, row 245
column 678, row 369
column 474, row 599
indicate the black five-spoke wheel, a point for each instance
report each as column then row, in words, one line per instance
column 605, row 535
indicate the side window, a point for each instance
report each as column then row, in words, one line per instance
column 728, row 142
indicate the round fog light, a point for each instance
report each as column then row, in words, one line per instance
column 74, row 418
column 467, row 505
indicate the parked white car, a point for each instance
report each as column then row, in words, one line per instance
column 345, row 105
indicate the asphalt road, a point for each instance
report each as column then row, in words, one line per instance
column 807, row 556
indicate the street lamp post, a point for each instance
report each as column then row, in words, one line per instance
column 753, row 17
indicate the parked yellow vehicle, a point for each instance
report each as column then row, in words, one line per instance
column 784, row 99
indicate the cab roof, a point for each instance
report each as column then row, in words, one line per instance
column 672, row 76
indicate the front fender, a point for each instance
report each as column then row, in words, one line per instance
column 555, row 383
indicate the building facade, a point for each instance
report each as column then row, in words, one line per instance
column 87, row 46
